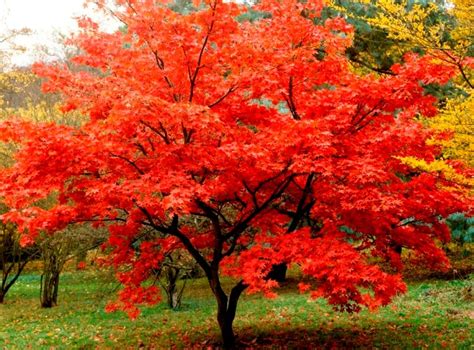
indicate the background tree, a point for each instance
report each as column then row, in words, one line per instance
column 242, row 125
column 8, row 47
column 13, row 257
column 20, row 95
column 177, row 268
column 57, row 250
column 462, row 228
column 387, row 29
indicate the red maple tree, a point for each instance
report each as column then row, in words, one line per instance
column 261, row 131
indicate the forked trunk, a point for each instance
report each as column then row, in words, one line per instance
column 226, row 309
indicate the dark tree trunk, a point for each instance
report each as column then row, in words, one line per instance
column 2, row 297
column 278, row 272
column 225, row 325
column 226, row 309
column 171, row 288
column 55, row 288
column 398, row 249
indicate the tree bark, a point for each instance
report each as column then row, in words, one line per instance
column 49, row 289
column 55, row 288
column 2, row 297
column 171, row 289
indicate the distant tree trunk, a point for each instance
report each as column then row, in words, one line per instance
column 173, row 293
column 2, row 297
column 278, row 272
column 49, row 290
column 80, row 258
column 172, row 271
column 55, row 288
column 50, row 282
column 398, row 249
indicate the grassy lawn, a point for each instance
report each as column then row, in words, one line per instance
column 433, row 314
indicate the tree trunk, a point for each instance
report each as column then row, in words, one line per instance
column 55, row 288
column 278, row 272
column 398, row 249
column 171, row 278
column 49, row 289
column 2, row 297
column 226, row 309
column 225, row 318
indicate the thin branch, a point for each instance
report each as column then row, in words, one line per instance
column 301, row 208
column 132, row 163
column 162, row 133
column 290, row 100
column 173, row 230
column 464, row 75
column 187, row 134
column 356, row 125
column 201, row 54
column 375, row 69
column 220, row 99
column 243, row 224
column 141, row 148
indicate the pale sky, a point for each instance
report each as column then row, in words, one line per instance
column 45, row 18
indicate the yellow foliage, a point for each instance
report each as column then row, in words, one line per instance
column 458, row 118
column 409, row 26
column 20, row 97
column 12, row 83
column 440, row 167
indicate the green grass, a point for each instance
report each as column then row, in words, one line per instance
column 433, row 314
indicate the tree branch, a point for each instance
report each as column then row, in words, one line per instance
column 220, row 99
column 290, row 100
column 132, row 163
column 193, row 79
column 162, row 133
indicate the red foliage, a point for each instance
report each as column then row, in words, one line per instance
column 81, row 265
column 236, row 141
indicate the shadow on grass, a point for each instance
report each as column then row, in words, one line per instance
column 302, row 338
column 323, row 338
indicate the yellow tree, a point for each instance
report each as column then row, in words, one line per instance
column 445, row 31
